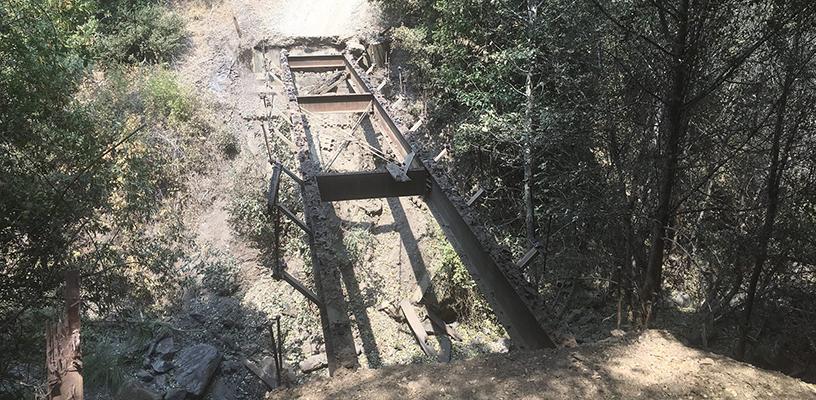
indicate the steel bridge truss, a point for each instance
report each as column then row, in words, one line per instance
column 499, row 278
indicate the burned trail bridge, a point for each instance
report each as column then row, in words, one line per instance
column 408, row 173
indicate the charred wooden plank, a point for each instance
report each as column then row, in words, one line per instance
column 416, row 326
column 528, row 256
column 334, row 80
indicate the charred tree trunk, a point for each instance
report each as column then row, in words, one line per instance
column 674, row 130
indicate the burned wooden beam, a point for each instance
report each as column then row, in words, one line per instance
column 449, row 330
column 334, row 80
column 416, row 326
column 528, row 256
column 336, row 103
column 370, row 185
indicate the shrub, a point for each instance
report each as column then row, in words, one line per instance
column 140, row 33
column 455, row 288
column 166, row 97
column 219, row 273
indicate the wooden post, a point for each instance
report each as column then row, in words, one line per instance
column 63, row 354
column 377, row 52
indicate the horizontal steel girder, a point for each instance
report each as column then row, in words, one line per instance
column 316, row 63
column 370, row 185
column 336, row 103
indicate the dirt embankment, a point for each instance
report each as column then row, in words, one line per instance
column 652, row 365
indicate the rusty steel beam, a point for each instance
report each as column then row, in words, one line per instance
column 370, row 185
column 513, row 300
column 336, row 103
column 359, row 85
column 497, row 277
column 316, row 63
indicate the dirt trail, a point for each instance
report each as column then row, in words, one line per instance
column 653, row 365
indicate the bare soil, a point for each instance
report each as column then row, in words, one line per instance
column 651, row 365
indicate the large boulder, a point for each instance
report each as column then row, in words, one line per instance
column 195, row 366
column 314, row 363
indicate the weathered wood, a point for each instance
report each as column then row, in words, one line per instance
column 63, row 353
column 532, row 253
column 334, row 80
column 265, row 126
column 449, row 330
column 441, row 154
column 475, row 197
column 421, row 287
column 378, row 53
column 416, row 326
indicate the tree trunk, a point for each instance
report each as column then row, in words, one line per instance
column 63, row 354
column 529, row 215
column 674, row 129
column 771, row 206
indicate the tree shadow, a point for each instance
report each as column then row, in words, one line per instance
column 344, row 265
column 409, row 241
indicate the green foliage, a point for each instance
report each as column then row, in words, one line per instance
column 92, row 164
column 103, row 366
column 357, row 241
column 219, row 272
column 139, row 31
column 167, row 98
column 248, row 208
column 455, row 288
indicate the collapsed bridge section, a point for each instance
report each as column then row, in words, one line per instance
column 499, row 279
